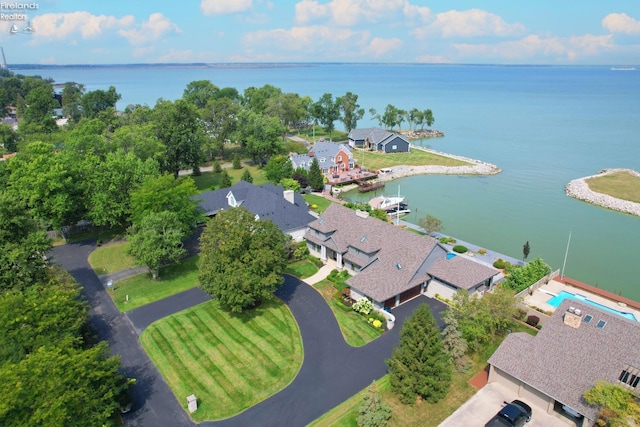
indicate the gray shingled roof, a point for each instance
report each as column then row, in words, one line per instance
column 563, row 362
column 321, row 150
column 391, row 245
column 461, row 272
column 362, row 133
column 267, row 201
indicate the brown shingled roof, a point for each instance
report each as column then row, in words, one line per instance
column 461, row 272
column 563, row 362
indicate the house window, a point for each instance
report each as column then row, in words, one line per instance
column 339, row 158
column 394, row 147
column 630, row 376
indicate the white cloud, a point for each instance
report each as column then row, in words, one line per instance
column 534, row 48
column 155, row 27
column 379, row 47
column 469, row 23
column 420, row 13
column 61, row 25
column 621, row 23
column 351, row 12
column 223, row 7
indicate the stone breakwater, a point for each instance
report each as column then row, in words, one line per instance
column 579, row 189
column 476, row 167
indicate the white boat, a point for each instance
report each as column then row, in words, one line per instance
column 387, row 203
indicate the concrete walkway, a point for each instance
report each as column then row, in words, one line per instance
column 122, row 274
column 320, row 275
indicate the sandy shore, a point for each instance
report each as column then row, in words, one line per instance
column 579, row 189
column 477, row 167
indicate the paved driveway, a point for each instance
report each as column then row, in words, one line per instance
column 332, row 371
column 488, row 401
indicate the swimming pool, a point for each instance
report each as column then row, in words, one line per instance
column 555, row 302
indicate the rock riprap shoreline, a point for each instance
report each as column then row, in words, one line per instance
column 579, row 189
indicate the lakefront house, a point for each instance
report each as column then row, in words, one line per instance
column 391, row 265
column 379, row 140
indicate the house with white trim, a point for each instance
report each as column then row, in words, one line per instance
column 391, row 265
column 379, row 140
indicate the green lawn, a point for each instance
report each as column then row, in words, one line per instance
column 142, row 289
column 356, row 331
column 621, row 185
column 207, row 179
column 321, row 203
column 301, row 269
column 110, row 258
column 375, row 160
column 423, row 414
column 230, row 362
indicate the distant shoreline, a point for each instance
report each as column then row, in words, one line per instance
column 579, row 189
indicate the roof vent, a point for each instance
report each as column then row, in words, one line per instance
column 572, row 309
column 571, row 318
column 577, row 311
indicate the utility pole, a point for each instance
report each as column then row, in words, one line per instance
column 565, row 256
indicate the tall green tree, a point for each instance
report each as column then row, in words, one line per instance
column 525, row 250
column 225, row 180
column 327, row 111
column 97, row 101
column 246, row 176
column 259, row 135
column 71, row 96
column 256, row 99
column 178, row 127
column 315, row 177
column 157, row 240
column 164, row 193
column 454, row 344
column 241, row 259
column 419, row 366
column 390, row 116
column 350, row 109
column 200, row 92
column 8, row 139
column 56, row 386
column 618, row 406
column 278, row 167
column 38, row 113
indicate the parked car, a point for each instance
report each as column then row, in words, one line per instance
column 514, row 414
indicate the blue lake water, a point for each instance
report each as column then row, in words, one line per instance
column 543, row 126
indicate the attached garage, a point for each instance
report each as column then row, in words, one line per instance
column 410, row 293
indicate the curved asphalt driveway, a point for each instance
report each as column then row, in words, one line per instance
column 332, row 371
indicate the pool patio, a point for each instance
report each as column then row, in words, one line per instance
column 542, row 295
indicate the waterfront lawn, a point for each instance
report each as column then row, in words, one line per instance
column 621, row 185
column 321, row 202
column 355, row 330
column 206, row 180
column 142, row 289
column 375, row 161
column 230, row 362
column 110, row 258
column 301, row 269
column 424, row 413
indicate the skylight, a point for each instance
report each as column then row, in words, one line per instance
column 363, row 238
column 399, row 266
column 601, row 324
column 321, row 220
column 588, row 318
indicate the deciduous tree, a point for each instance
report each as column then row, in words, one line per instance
column 430, row 224
column 157, row 240
column 351, row 111
column 241, row 259
column 618, row 406
column 419, row 366
column 327, row 111
column 277, row 168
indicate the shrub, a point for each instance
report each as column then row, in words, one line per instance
column 533, row 320
column 499, row 264
column 482, row 251
column 216, row 167
column 363, row 306
column 236, row 162
column 314, row 206
column 444, row 240
column 460, row 249
column 300, row 252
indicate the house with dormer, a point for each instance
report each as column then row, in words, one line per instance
column 379, row 140
column 391, row 265
column 333, row 158
column 578, row 346
column 285, row 208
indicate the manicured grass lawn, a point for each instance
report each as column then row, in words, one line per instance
column 374, row 160
column 207, row 179
column 621, row 185
column 319, row 132
column 423, row 413
column 301, row 269
column 142, row 289
column 314, row 199
column 356, row 331
column 230, row 362
column 110, row 258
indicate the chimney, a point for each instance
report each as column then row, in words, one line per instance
column 289, row 196
column 573, row 317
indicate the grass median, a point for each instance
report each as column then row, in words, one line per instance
column 230, row 362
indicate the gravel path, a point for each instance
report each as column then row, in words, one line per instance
column 579, row 189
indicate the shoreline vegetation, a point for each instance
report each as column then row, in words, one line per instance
column 581, row 189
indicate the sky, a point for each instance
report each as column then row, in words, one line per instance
column 556, row 32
